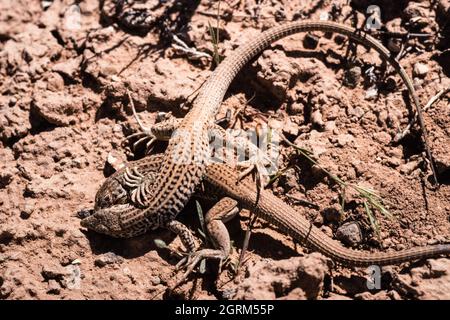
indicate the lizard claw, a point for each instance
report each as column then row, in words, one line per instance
column 190, row 262
column 144, row 135
column 256, row 165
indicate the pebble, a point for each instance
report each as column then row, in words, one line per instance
column 53, row 271
column 107, row 258
column 382, row 137
column 344, row 139
column 409, row 167
column 438, row 267
column 27, row 209
column 72, row 278
column 53, row 287
column 295, row 108
column 420, row 70
column 371, row 93
column 288, row 180
column 330, row 126
column 332, row 112
column 353, row 76
column 55, row 82
column 316, row 118
column 349, row 233
column 114, row 161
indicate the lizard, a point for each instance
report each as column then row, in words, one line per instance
column 184, row 162
column 222, row 181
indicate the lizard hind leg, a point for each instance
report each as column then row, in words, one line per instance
column 220, row 213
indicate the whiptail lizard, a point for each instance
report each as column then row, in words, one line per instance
column 173, row 177
column 222, row 182
column 185, row 160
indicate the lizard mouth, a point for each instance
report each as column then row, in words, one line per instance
column 93, row 222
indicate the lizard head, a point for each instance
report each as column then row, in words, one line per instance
column 105, row 220
column 110, row 193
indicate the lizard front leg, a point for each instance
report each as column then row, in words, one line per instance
column 215, row 220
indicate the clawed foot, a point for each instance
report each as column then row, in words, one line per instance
column 192, row 260
column 257, row 166
column 145, row 135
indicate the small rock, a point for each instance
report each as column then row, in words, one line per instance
column 438, row 267
column 344, row 139
column 58, row 107
column 315, row 141
column 27, row 209
column 409, row 167
column 107, row 258
column 295, row 108
column 352, row 77
column 115, row 161
column 68, row 68
column 349, row 233
column 420, row 70
column 155, row 280
column 296, row 294
column 371, row 93
column 382, row 137
column 55, row 82
column 393, row 162
column 228, row 293
column 288, row 180
column 382, row 295
column 403, row 284
column 6, row 289
column 290, row 128
column 332, row 112
column 46, row 3
column 53, row 271
column 357, row 112
column 330, row 126
column 316, row 119
column 271, row 279
column 72, row 278
column 53, row 287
